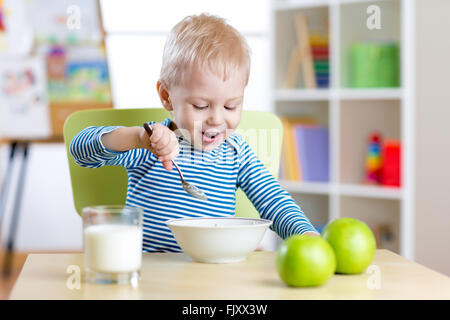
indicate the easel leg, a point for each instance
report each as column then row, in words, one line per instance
column 7, row 181
column 15, row 214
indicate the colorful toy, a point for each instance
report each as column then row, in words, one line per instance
column 2, row 17
column 374, row 159
column 391, row 171
column 320, row 52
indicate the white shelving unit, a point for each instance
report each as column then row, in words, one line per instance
column 351, row 114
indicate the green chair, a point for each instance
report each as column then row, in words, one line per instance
column 108, row 185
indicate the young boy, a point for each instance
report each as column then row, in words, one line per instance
column 205, row 70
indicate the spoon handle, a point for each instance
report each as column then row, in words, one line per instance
column 179, row 171
column 148, row 129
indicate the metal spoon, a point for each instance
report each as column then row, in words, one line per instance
column 189, row 188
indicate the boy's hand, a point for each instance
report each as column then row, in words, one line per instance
column 311, row 233
column 163, row 143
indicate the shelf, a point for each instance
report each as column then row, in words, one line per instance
column 357, row 121
column 370, row 94
column 352, row 190
column 306, row 187
column 350, row 113
column 302, row 94
column 380, row 192
column 355, row 1
column 343, row 94
column 383, row 216
column 353, row 14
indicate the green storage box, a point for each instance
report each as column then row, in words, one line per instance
column 374, row 65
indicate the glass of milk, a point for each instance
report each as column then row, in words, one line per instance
column 112, row 239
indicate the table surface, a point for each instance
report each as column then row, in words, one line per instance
column 175, row 276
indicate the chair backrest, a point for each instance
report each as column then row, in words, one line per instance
column 262, row 131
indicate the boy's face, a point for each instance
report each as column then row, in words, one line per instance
column 206, row 108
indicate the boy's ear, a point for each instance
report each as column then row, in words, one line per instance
column 164, row 95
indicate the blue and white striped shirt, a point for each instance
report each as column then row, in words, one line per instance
column 218, row 173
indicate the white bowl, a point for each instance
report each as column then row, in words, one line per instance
column 218, row 240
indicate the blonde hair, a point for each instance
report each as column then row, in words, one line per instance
column 203, row 40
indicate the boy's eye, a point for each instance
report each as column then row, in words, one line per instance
column 229, row 108
column 200, row 107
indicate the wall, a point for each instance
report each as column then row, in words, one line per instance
column 432, row 179
column 47, row 219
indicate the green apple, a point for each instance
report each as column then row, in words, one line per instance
column 304, row 261
column 353, row 244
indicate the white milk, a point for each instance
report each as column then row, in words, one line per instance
column 113, row 248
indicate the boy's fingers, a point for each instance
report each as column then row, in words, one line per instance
column 164, row 152
column 167, row 165
column 167, row 138
column 162, row 143
column 171, row 146
column 157, row 133
column 173, row 153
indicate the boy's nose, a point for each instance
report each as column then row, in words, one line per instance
column 215, row 116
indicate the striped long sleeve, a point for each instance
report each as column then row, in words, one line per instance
column 218, row 173
column 271, row 201
column 88, row 151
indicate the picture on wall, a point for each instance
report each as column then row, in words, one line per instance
column 24, row 110
column 65, row 22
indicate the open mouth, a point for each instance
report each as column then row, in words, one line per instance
column 209, row 137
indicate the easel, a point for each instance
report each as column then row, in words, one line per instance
column 16, row 147
column 59, row 111
column 301, row 55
